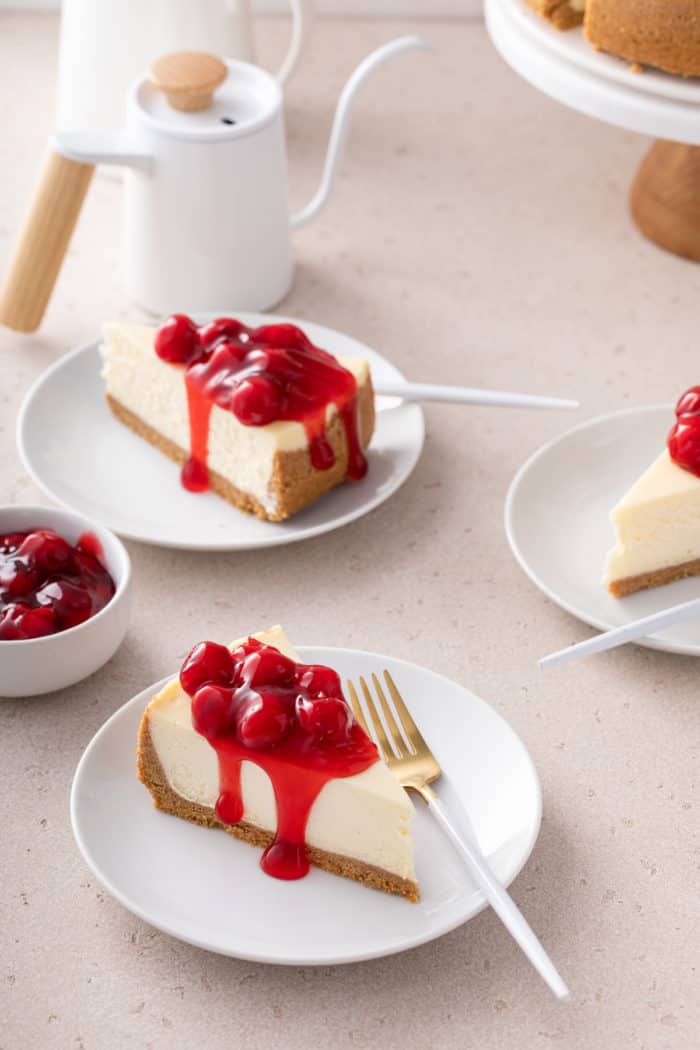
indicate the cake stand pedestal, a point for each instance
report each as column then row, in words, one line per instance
column 665, row 194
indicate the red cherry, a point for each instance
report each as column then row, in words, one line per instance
column 251, row 645
column 319, row 680
column 684, row 445
column 177, row 340
column 18, row 578
column 46, row 550
column 268, row 666
column 211, row 707
column 263, row 722
column 39, row 622
column 71, row 603
column 256, row 401
column 207, row 663
column 221, row 328
column 324, row 717
column 227, row 354
column 689, row 403
column 18, row 621
column 280, row 335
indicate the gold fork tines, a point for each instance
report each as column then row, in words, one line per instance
column 404, row 750
column 410, row 759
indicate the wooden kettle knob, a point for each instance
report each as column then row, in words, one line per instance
column 43, row 242
column 188, row 78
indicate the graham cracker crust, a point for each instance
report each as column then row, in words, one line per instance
column 150, row 773
column 559, row 12
column 621, row 588
column 295, row 482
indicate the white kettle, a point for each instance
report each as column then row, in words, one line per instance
column 206, row 225
column 105, row 44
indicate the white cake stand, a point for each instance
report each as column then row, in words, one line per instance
column 665, row 194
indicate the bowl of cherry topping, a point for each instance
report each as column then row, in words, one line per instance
column 65, row 598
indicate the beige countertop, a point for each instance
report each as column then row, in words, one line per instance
column 479, row 232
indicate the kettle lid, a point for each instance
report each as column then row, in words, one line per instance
column 193, row 94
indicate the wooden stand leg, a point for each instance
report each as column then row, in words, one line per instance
column 665, row 198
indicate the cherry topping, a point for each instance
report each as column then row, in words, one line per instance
column 20, row 622
column 281, row 336
column 689, row 403
column 325, row 717
column 684, row 438
column 263, row 721
column 221, row 328
column 256, row 401
column 255, row 704
column 48, row 586
column 177, row 340
column 267, row 666
column 71, row 602
column 262, row 375
column 319, row 680
column 207, row 663
column 211, row 708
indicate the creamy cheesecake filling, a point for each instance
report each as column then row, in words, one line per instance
column 154, row 391
column 657, row 523
column 365, row 817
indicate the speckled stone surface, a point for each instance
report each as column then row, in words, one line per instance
column 478, row 231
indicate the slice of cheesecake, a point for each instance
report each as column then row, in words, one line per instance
column 261, row 416
column 250, row 740
column 657, row 524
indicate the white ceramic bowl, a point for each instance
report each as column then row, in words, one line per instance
column 41, row 665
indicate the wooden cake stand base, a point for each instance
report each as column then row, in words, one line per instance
column 665, row 198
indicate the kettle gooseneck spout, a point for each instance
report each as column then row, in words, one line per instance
column 341, row 121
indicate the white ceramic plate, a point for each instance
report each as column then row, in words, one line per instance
column 557, row 521
column 206, row 888
column 82, row 457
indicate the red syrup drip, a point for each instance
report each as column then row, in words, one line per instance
column 684, row 439
column 262, row 375
column 256, row 705
column 47, row 586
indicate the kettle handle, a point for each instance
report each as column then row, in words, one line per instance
column 302, row 15
column 43, row 242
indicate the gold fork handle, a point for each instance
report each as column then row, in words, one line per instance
column 504, row 906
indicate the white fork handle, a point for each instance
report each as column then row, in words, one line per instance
column 500, row 901
column 465, row 395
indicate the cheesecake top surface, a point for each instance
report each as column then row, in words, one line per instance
column 663, row 480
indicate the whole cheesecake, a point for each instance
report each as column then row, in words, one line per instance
column 660, row 33
column 261, row 416
column 252, row 741
column 657, row 522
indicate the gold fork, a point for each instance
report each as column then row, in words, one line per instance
column 416, row 767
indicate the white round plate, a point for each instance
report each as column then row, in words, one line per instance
column 206, row 888
column 564, row 66
column 82, row 457
column 557, row 521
